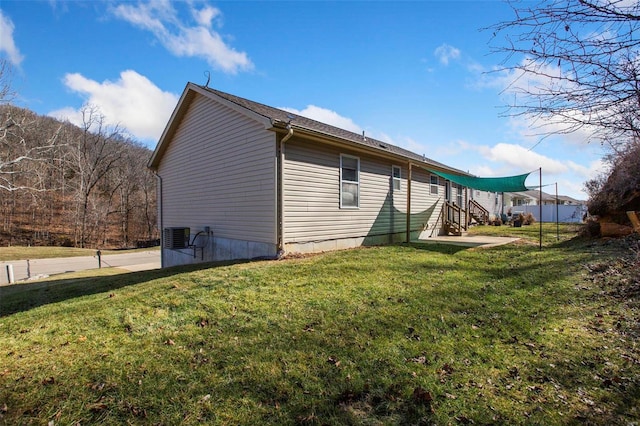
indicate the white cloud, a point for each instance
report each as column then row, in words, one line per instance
column 594, row 169
column 520, row 158
column 326, row 116
column 132, row 102
column 484, row 171
column 7, row 43
column 206, row 15
column 199, row 40
column 446, row 53
column 521, row 88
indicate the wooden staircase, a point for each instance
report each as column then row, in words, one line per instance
column 453, row 219
column 478, row 213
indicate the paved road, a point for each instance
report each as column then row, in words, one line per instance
column 136, row 261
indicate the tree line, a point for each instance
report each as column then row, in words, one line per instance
column 82, row 186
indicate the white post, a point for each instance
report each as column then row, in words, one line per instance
column 10, row 277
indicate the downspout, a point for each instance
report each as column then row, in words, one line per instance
column 287, row 136
column 280, row 212
column 160, row 215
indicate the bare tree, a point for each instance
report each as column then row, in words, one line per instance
column 577, row 66
column 131, row 176
column 619, row 191
column 149, row 203
column 21, row 155
column 6, row 92
column 49, row 169
column 94, row 155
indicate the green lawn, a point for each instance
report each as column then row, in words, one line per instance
column 407, row 334
column 21, row 253
column 551, row 232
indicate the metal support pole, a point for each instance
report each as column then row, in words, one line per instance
column 99, row 254
column 28, row 269
column 557, row 215
column 10, row 276
column 409, row 203
column 540, row 208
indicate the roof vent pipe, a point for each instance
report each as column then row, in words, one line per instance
column 363, row 136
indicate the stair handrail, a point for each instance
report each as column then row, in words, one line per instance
column 454, row 214
column 477, row 209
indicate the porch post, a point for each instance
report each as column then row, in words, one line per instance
column 467, row 209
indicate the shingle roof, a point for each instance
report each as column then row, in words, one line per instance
column 298, row 121
column 570, row 199
column 535, row 194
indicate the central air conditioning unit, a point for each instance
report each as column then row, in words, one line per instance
column 176, row 238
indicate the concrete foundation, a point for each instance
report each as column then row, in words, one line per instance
column 214, row 249
column 347, row 243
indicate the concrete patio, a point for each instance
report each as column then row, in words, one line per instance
column 470, row 240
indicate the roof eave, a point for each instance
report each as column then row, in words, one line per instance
column 380, row 152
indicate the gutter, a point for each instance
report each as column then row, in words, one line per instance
column 160, row 217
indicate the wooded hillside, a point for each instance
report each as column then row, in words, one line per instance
column 61, row 184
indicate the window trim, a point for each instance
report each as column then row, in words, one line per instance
column 434, row 186
column 460, row 195
column 395, row 179
column 357, row 183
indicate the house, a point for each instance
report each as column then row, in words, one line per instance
column 529, row 198
column 565, row 200
column 240, row 179
column 493, row 202
column 532, row 198
column 567, row 209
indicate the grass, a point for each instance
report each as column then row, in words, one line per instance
column 21, row 253
column 408, row 334
column 550, row 232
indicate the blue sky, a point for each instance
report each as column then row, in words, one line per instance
column 416, row 74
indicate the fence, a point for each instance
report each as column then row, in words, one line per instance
column 565, row 214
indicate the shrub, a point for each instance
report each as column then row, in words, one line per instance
column 619, row 190
column 528, row 219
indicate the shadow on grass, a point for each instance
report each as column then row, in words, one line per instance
column 23, row 297
column 442, row 248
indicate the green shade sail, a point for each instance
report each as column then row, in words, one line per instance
column 492, row 184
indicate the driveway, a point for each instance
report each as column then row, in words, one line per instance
column 22, row 269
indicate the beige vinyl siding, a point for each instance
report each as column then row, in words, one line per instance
column 423, row 201
column 219, row 171
column 488, row 200
column 312, row 196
